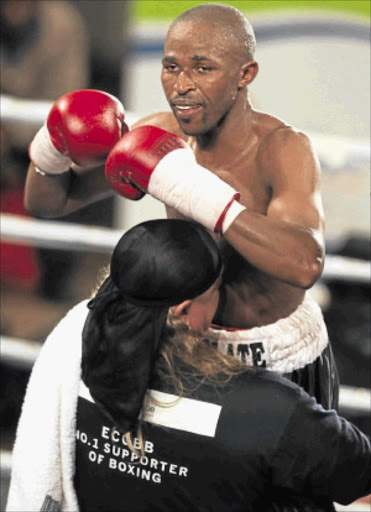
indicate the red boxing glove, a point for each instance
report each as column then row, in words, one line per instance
column 149, row 159
column 82, row 127
column 133, row 159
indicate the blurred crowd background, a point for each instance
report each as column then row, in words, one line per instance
column 49, row 47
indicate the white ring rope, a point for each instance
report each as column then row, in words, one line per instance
column 18, row 352
column 55, row 234
column 23, row 353
column 35, row 111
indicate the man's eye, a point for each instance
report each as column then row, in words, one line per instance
column 204, row 69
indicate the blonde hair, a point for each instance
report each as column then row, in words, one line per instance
column 187, row 352
column 184, row 353
column 102, row 275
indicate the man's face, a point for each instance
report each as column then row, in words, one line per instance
column 200, row 75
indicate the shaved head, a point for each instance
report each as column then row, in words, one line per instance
column 207, row 65
column 232, row 25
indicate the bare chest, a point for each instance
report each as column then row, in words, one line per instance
column 243, row 173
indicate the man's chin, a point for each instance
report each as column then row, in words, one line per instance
column 190, row 129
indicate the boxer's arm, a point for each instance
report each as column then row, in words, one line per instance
column 58, row 195
column 288, row 242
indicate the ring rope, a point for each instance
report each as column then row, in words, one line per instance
column 18, row 352
column 35, row 112
column 53, row 235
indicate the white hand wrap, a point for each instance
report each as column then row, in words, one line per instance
column 45, row 156
column 181, row 183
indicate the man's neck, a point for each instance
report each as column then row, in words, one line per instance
column 226, row 137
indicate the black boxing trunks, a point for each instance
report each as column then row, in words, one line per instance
column 297, row 347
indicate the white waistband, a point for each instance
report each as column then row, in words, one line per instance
column 288, row 344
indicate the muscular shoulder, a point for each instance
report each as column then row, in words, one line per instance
column 273, row 132
column 286, row 136
column 284, row 147
column 283, row 138
column 164, row 120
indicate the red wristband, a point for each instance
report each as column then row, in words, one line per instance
column 219, row 224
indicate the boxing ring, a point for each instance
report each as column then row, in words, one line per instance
column 15, row 229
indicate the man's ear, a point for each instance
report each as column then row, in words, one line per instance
column 181, row 310
column 248, row 72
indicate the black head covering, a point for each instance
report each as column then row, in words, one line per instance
column 155, row 265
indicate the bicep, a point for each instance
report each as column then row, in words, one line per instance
column 294, row 179
column 299, row 208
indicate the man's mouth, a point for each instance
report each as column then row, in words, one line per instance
column 186, row 110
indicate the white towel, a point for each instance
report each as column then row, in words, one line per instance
column 43, row 459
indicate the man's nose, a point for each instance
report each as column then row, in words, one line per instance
column 184, row 83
